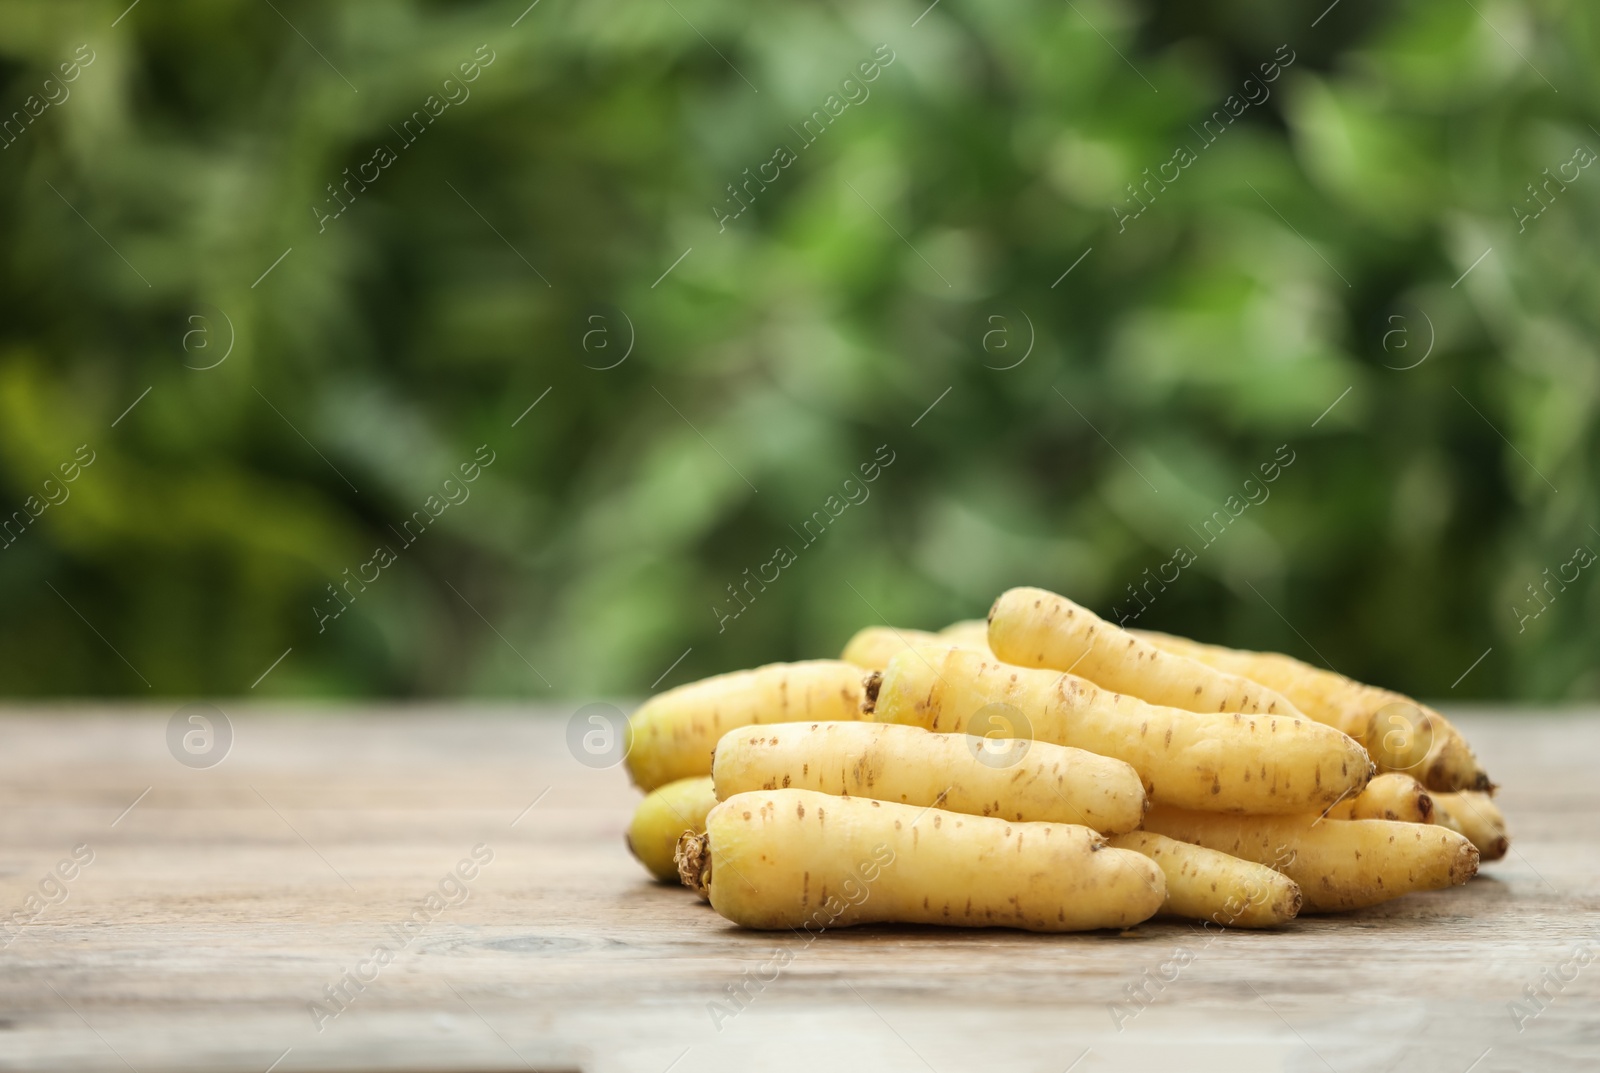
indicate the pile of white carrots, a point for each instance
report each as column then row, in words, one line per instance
column 1051, row 771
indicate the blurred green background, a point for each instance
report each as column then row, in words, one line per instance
column 555, row 227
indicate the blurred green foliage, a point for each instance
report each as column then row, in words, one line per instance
column 521, row 244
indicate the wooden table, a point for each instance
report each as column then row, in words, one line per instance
column 227, row 900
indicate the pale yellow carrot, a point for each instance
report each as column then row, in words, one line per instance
column 801, row 859
column 1339, row 864
column 1476, row 816
column 1391, row 796
column 662, row 817
column 1400, row 733
column 1225, row 762
column 1015, row 780
column 873, row 647
column 1203, row 884
column 1035, row 628
column 672, row 734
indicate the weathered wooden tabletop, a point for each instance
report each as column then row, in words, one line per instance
column 219, row 909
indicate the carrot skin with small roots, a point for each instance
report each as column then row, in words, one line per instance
column 1339, row 864
column 1015, row 780
column 802, row 859
column 1203, row 884
column 1217, row 762
column 661, row 819
column 1035, row 628
column 1400, row 734
column 672, row 734
column 1390, row 796
column 1476, row 816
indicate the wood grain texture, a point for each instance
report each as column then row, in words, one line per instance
column 228, row 899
